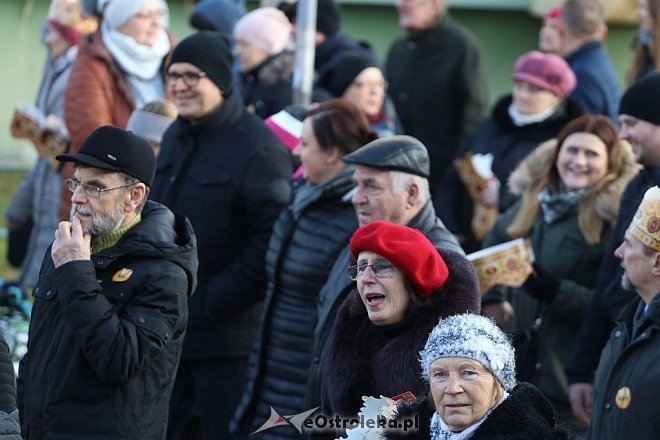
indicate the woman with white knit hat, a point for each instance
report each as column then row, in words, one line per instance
column 264, row 51
column 118, row 69
column 470, row 366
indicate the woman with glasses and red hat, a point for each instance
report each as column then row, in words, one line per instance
column 403, row 286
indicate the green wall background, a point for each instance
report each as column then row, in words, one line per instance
column 503, row 35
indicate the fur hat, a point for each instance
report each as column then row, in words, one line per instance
column 473, row 337
column 266, row 28
column 211, row 52
column 645, row 225
column 408, row 249
column 547, row 71
column 642, row 99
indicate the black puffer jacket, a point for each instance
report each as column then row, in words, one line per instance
column 268, row 88
column 306, row 240
column 368, row 360
column 103, row 350
column 509, row 144
column 10, row 427
column 526, row 414
column 338, row 286
column 230, row 176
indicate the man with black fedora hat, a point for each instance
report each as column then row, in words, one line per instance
column 639, row 113
column 391, row 179
column 226, row 171
column 110, row 308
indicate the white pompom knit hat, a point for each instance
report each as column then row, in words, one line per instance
column 472, row 337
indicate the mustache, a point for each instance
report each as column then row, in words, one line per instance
column 85, row 210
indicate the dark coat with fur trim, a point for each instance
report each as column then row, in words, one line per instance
column 267, row 88
column 368, row 360
column 525, row 414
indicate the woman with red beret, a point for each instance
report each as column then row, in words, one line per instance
column 403, row 286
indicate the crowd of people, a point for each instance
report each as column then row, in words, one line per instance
column 224, row 261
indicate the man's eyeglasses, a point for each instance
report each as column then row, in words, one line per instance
column 91, row 191
column 149, row 15
column 381, row 269
column 189, row 78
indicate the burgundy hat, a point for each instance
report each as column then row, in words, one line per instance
column 408, row 249
column 547, row 71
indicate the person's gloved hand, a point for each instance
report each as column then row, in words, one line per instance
column 541, row 284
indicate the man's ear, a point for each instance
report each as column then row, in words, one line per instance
column 135, row 196
column 655, row 270
column 412, row 195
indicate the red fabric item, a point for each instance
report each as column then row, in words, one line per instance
column 547, row 71
column 72, row 35
column 406, row 248
column 554, row 12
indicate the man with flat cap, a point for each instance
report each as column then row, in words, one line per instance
column 110, row 308
column 230, row 175
column 391, row 179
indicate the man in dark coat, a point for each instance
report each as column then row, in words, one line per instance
column 391, row 184
column 639, row 113
column 436, row 80
column 225, row 170
column 110, row 308
column 627, row 380
column 582, row 28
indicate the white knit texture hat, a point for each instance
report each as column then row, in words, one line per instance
column 472, row 337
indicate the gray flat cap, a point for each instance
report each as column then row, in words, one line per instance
column 398, row 153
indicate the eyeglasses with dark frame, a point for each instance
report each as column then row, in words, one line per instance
column 191, row 79
column 382, row 269
column 90, row 190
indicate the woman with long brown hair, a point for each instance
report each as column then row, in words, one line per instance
column 570, row 190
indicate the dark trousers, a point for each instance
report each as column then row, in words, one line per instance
column 205, row 395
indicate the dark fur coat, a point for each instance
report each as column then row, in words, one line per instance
column 368, row 360
column 525, row 414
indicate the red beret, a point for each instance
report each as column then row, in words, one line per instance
column 408, row 249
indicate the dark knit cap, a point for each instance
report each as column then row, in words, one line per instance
column 217, row 15
column 115, row 149
column 642, row 99
column 344, row 69
column 328, row 16
column 210, row 52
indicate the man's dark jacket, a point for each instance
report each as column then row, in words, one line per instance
column 339, row 285
column 437, row 83
column 609, row 297
column 229, row 175
column 103, row 348
column 597, row 91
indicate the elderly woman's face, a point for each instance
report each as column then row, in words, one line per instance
column 531, row 100
column 145, row 25
column 582, row 160
column 463, row 391
column 383, row 292
column 367, row 91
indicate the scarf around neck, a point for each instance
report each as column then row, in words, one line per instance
column 556, row 201
column 521, row 120
column 138, row 60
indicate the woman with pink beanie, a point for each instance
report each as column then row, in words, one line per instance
column 264, row 50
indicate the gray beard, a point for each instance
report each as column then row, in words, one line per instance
column 626, row 283
column 101, row 225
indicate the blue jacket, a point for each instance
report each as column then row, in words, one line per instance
column 598, row 90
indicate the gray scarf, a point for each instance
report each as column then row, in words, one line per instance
column 556, row 201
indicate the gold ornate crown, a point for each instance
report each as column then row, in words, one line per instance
column 69, row 13
column 645, row 225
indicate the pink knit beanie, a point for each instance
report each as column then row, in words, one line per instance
column 267, row 28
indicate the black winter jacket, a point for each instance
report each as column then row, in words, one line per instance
column 10, row 426
column 509, row 144
column 306, row 240
column 338, row 286
column 103, row 350
column 268, row 88
column 609, row 297
column 525, row 414
column 229, row 175
column 363, row 359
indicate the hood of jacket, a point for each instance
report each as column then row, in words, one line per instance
column 538, row 163
column 160, row 234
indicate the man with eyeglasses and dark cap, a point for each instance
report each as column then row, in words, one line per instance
column 226, row 171
column 391, row 184
column 110, row 308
